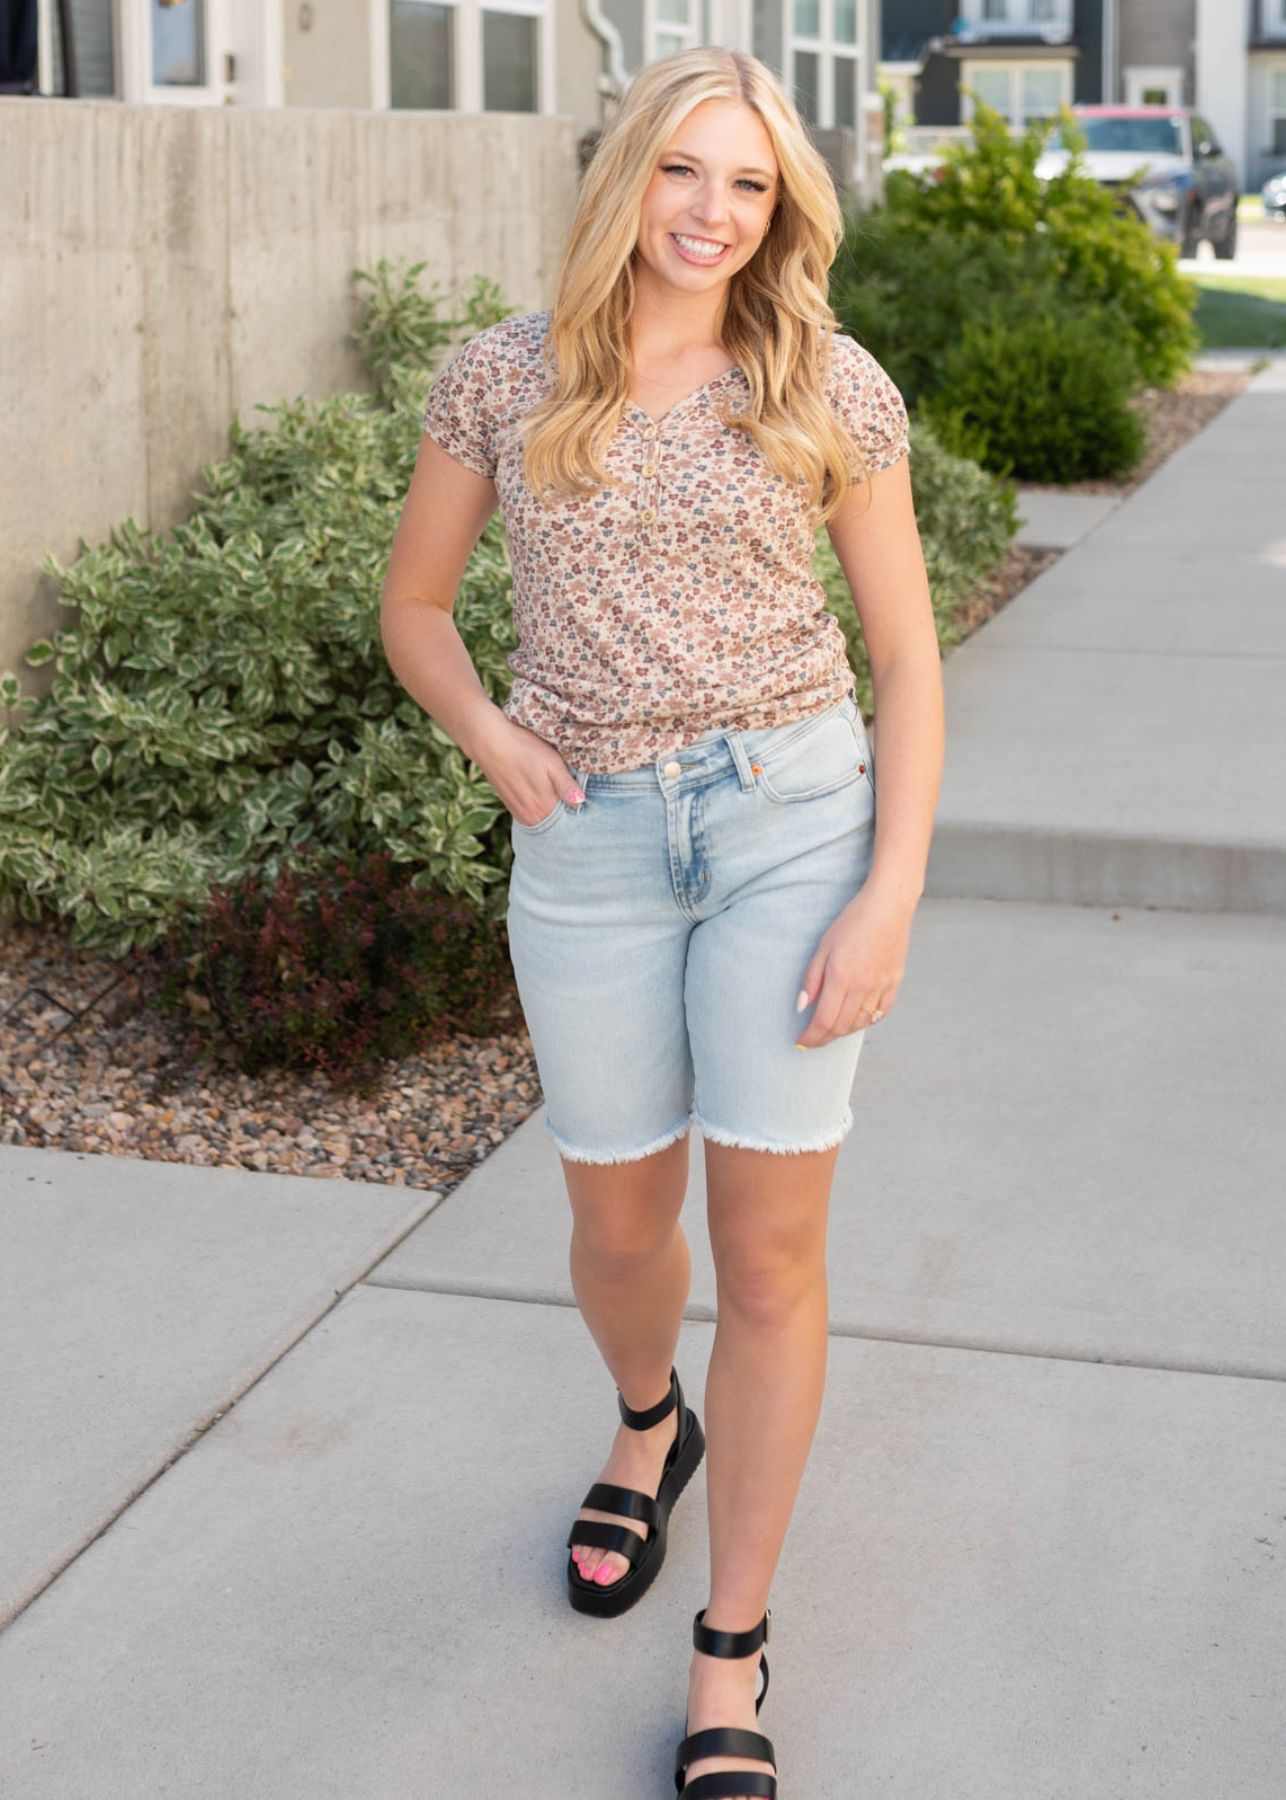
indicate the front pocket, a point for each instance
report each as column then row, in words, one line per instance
column 828, row 756
column 546, row 822
column 560, row 806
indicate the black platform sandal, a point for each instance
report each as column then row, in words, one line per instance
column 644, row 1554
column 728, row 1740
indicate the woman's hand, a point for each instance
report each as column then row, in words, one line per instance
column 528, row 774
column 857, row 968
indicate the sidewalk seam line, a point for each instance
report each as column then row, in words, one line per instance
column 207, row 1422
column 701, row 1314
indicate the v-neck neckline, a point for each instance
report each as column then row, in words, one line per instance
column 633, row 405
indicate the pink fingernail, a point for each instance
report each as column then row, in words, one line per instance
column 577, row 798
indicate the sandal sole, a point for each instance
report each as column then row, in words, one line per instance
column 610, row 1602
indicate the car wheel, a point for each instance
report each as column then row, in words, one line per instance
column 1226, row 248
column 1191, row 233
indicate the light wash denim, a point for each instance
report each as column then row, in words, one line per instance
column 660, row 934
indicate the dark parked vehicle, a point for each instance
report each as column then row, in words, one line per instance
column 1274, row 192
column 1169, row 167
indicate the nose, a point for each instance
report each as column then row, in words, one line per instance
column 709, row 205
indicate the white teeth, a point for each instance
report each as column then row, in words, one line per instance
column 699, row 246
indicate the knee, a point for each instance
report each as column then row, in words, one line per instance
column 766, row 1287
column 617, row 1245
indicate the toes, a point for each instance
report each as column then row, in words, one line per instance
column 610, row 1569
column 590, row 1561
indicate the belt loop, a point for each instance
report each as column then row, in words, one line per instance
column 741, row 759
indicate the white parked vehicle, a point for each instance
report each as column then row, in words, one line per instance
column 1168, row 167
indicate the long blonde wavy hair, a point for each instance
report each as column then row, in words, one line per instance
column 777, row 321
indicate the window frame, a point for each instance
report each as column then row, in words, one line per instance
column 655, row 27
column 828, row 49
column 1273, row 113
column 1015, row 67
column 467, row 73
column 1018, row 16
column 1137, row 76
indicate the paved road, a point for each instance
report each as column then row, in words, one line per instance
column 1261, row 250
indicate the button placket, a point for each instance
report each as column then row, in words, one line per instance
column 648, row 491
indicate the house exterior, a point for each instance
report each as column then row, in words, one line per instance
column 1025, row 58
column 1226, row 58
column 1265, row 97
column 570, row 57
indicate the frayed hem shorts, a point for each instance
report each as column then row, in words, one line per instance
column 660, row 934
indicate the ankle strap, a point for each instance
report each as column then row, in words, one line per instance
column 730, row 1643
column 652, row 1415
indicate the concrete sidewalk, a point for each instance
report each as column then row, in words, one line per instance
column 1115, row 733
column 288, row 1465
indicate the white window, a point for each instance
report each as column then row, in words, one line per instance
column 140, row 51
column 825, row 60
column 1277, row 112
column 672, row 25
column 1028, row 18
column 422, row 54
column 510, row 57
column 1152, row 86
column 468, row 56
column 1019, row 91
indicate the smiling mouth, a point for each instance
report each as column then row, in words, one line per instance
column 693, row 249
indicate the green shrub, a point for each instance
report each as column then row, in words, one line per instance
column 953, row 269
column 1044, row 397
column 333, row 967
column 223, row 697
column 1002, row 234
column 967, row 519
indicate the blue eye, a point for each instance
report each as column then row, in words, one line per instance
column 759, row 187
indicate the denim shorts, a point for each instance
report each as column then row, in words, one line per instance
column 660, row 934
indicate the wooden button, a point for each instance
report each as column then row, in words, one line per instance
column 649, row 468
column 647, row 515
column 649, row 431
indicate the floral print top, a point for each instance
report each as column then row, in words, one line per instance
column 685, row 601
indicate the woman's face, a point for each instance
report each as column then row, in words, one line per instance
column 711, row 194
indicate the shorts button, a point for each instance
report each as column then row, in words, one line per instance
column 673, row 770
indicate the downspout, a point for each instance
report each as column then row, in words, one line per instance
column 1111, row 73
column 611, row 80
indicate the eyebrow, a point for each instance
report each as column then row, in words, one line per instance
column 689, row 157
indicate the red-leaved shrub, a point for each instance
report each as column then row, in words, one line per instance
column 336, row 966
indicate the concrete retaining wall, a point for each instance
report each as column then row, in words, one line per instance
column 165, row 267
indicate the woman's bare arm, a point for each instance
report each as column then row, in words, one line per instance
column 443, row 516
column 446, row 508
column 878, row 547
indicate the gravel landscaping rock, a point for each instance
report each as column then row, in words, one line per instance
column 127, row 1079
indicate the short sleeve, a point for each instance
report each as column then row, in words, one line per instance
column 867, row 403
column 458, row 414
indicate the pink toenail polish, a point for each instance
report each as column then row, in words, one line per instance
column 603, row 1574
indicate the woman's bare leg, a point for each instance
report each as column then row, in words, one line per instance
column 630, row 1273
column 762, row 1400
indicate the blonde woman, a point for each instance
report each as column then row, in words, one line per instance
column 704, row 915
